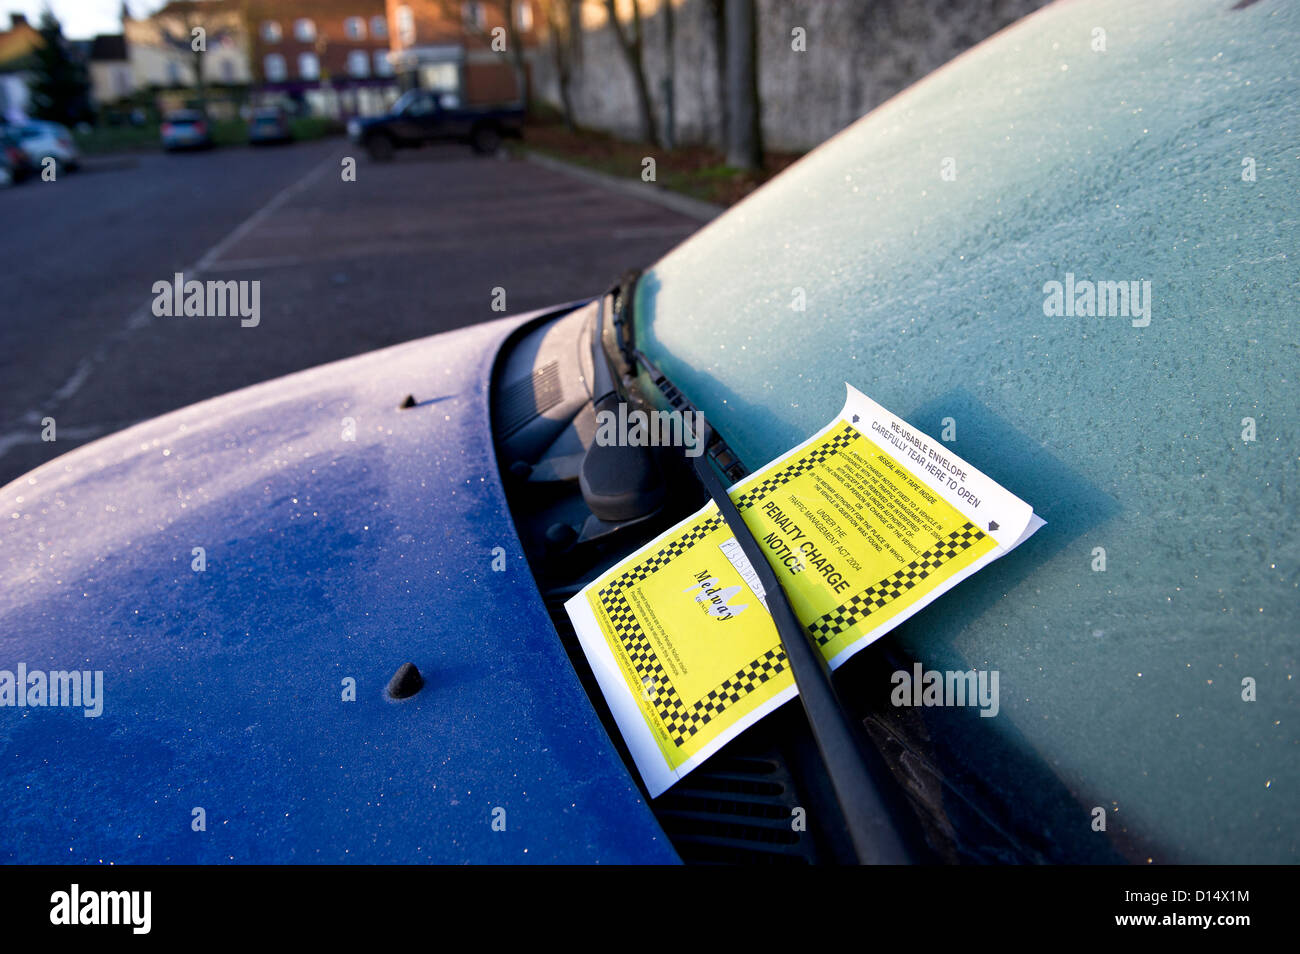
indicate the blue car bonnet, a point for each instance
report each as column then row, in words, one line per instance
column 341, row 537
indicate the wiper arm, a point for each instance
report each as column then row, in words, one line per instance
column 624, row 294
column 880, row 823
column 620, row 482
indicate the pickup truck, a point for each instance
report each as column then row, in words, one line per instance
column 424, row 116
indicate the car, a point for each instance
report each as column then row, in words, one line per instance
column 43, row 140
column 269, row 124
column 249, row 573
column 15, row 164
column 420, row 117
column 185, row 129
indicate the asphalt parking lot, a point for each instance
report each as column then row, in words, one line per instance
column 410, row 248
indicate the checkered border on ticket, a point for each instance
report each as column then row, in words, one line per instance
column 865, row 523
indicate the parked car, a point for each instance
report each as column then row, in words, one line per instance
column 269, row 124
column 420, row 117
column 15, row 164
column 185, row 129
column 43, row 140
column 450, row 528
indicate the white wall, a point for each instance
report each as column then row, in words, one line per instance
column 14, row 96
column 152, row 59
column 110, row 80
column 858, row 54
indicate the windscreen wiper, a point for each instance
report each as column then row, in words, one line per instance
column 880, row 823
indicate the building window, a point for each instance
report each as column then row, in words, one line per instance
column 358, row 64
column 441, row 77
column 308, row 66
column 474, row 14
column 524, row 16
column 227, row 71
column 173, row 73
column 355, row 28
column 379, row 28
column 383, row 65
column 271, row 32
column 304, row 30
column 273, row 67
column 405, row 26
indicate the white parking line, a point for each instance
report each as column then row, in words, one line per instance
column 144, row 314
column 210, row 257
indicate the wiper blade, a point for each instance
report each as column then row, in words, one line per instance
column 624, row 332
column 880, row 823
column 613, row 352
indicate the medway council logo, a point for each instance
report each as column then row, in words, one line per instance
column 713, row 599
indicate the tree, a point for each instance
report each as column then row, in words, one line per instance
column 718, row 16
column 670, row 70
column 515, row 44
column 564, row 28
column 631, row 40
column 178, row 33
column 744, row 132
column 59, row 90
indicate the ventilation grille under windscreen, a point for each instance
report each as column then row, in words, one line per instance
column 529, row 397
column 735, row 809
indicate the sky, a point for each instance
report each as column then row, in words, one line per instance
column 81, row 19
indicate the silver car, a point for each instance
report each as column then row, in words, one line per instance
column 185, row 129
column 42, row 140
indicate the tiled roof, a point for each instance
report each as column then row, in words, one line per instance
column 108, row 46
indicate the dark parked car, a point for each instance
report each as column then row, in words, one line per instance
column 185, row 129
column 420, row 117
column 269, row 124
column 15, row 163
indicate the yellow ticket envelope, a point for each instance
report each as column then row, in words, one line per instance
column 864, row 523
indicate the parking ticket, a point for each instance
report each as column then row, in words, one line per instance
column 864, row 523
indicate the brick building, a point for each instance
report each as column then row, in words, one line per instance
column 331, row 54
column 448, row 45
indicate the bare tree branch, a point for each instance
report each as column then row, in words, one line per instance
column 631, row 43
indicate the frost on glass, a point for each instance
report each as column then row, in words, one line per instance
column 919, row 243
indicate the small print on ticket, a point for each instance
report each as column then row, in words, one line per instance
column 864, row 523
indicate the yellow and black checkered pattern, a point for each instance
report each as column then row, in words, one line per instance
column 685, row 723
column 801, row 466
column 682, row 721
column 659, row 688
column 877, row 595
column 647, row 566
